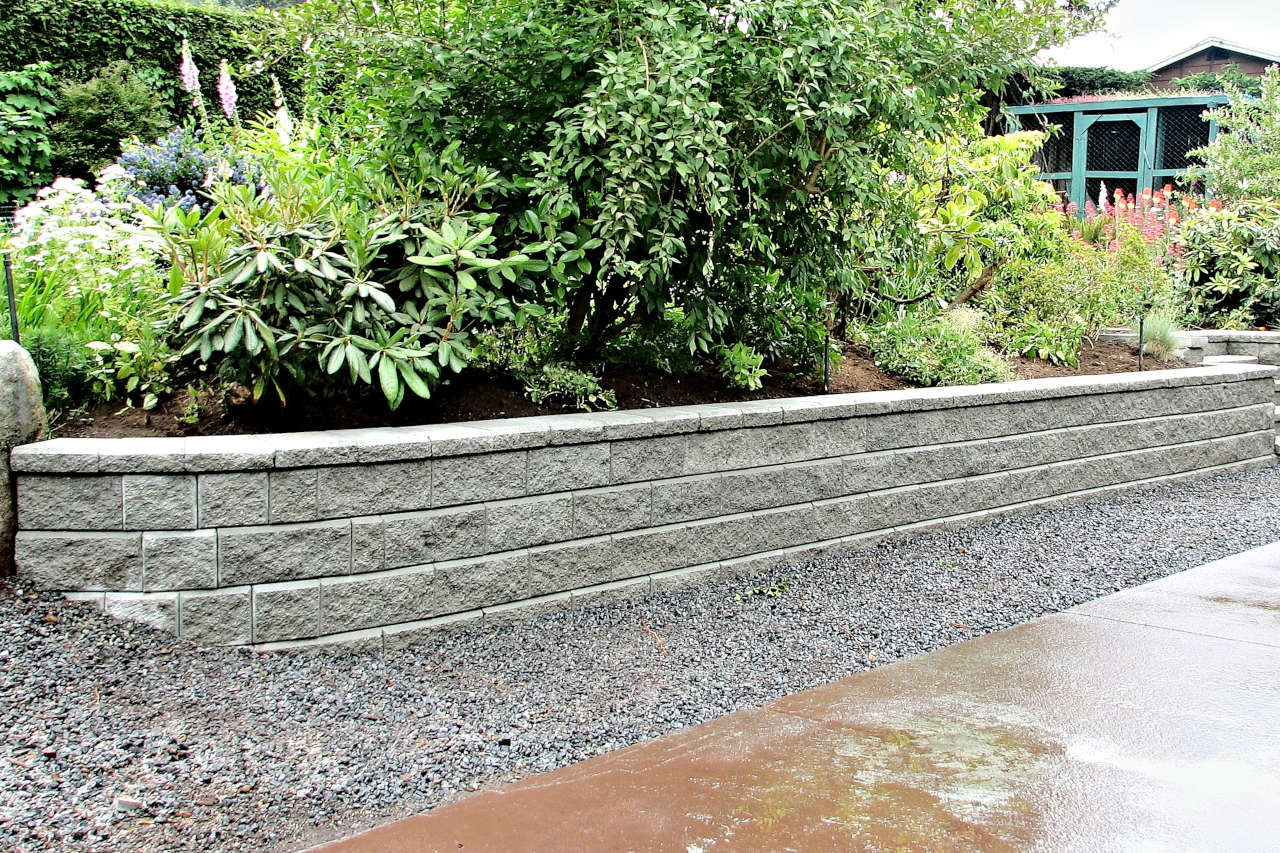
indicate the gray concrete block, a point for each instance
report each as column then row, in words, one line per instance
column 783, row 485
column 348, row 490
column 623, row 590
column 685, row 577
column 230, row 500
column 732, row 450
column 81, row 561
column 573, row 564
column 293, row 495
column 368, row 545
column 614, row 510
column 57, row 502
column 173, row 560
column 686, row 498
column 845, row 516
column 393, row 444
column 143, row 455
column 159, row 502
column 288, row 612
column 157, row 610
column 475, row 479
column 410, row 634
column 359, row 602
column 215, row 618
column 461, row 585
column 529, row 608
column 315, row 449
column 57, row 456
column 660, row 549
column 523, row 522
column 427, row 537
column 218, row 453
column 251, row 555
column 566, row 469
column 647, row 458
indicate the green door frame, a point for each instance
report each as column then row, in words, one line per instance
column 1080, row 151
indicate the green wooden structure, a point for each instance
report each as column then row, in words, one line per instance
column 1128, row 143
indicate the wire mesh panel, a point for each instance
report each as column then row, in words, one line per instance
column 1055, row 156
column 1179, row 131
column 1114, row 146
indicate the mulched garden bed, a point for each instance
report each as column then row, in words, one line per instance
column 477, row 396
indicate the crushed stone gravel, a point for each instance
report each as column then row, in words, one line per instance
column 119, row 737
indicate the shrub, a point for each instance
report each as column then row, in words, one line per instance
column 1244, row 161
column 932, row 350
column 26, row 105
column 87, row 278
column 1232, row 264
column 177, row 168
column 1074, row 80
column 95, row 117
column 339, row 273
column 79, row 37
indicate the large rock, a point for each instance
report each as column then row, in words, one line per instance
column 21, row 420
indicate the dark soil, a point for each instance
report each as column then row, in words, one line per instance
column 479, row 396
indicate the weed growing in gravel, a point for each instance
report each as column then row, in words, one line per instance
column 776, row 590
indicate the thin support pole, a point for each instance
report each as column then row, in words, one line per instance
column 1142, row 334
column 13, row 305
column 826, row 365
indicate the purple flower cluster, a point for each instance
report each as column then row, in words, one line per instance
column 174, row 169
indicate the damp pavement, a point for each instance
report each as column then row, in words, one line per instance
column 1144, row 720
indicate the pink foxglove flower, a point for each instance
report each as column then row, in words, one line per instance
column 189, row 73
column 227, row 91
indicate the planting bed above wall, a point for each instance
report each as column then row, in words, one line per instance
column 378, row 534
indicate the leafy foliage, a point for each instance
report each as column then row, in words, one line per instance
column 1229, row 79
column 1075, row 80
column 26, row 105
column 1244, row 161
column 177, row 167
column 96, row 116
column 79, row 37
column 337, row 271
column 1232, row 264
column 932, row 350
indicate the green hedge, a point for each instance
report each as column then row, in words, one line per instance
column 1080, row 80
column 80, row 37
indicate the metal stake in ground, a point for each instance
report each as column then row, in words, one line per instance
column 13, row 308
column 1142, row 329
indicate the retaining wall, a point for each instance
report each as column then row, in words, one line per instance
column 381, row 534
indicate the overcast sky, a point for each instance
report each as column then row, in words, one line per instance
column 1140, row 33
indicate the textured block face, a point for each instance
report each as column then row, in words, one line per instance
column 231, row 500
column 286, row 614
column 368, row 548
column 293, row 495
column 647, row 458
column 764, row 488
column 602, row 511
column 158, row 611
column 81, row 561
column 159, row 502
column 582, row 563
column 286, row 552
column 529, row 521
column 469, row 584
column 427, row 537
column 215, row 618
column 564, row 469
column 173, row 560
column 475, row 479
column 350, row 605
column 51, row 502
column 349, row 490
column 687, row 498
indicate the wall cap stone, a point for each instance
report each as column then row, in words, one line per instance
column 390, row 444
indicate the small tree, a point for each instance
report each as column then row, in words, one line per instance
column 26, row 105
column 1244, row 161
column 97, row 115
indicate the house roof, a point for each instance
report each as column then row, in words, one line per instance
column 1268, row 55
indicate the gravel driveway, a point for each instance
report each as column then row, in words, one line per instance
column 117, row 737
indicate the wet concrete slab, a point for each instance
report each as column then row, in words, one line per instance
column 1147, row 720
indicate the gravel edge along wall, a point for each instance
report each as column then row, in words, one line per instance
column 379, row 536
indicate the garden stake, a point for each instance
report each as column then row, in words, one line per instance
column 1142, row 328
column 13, row 308
column 826, row 365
